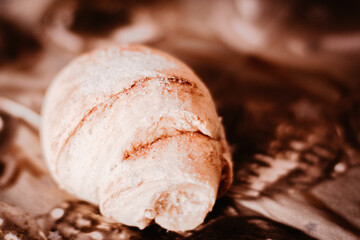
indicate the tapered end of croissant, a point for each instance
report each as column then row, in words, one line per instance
column 179, row 181
column 179, row 207
column 183, row 206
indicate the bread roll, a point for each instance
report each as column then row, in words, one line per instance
column 135, row 131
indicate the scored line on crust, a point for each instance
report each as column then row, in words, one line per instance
column 137, row 150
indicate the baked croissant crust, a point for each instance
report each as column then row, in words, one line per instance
column 135, row 131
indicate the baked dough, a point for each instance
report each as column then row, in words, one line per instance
column 135, row 131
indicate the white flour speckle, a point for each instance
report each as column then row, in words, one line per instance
column 82, row 222
column 11, row 236
column 96, row 235
column 57, row 213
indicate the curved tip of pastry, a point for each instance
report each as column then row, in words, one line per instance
column 184, row 208
column 178, row 207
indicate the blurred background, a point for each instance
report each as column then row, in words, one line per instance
column 285, row 78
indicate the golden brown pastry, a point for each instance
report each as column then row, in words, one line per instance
column 135, row 130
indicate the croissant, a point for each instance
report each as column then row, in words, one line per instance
column 135, row 131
